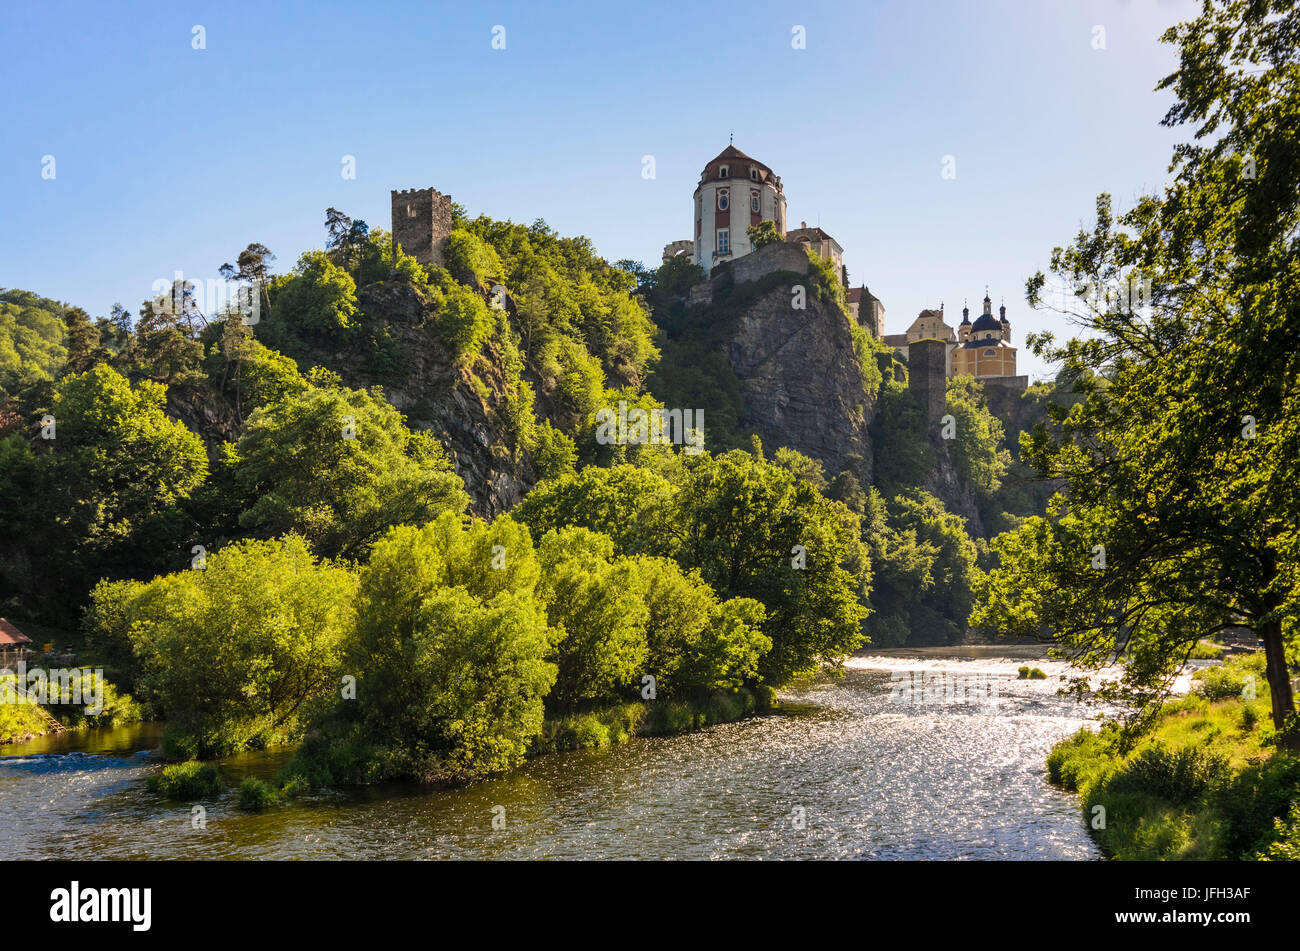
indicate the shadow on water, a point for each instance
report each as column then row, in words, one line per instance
column 847, row 770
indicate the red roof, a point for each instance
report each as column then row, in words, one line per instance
column 11, row 635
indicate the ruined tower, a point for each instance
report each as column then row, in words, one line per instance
column 926, row 377
column 421, row 224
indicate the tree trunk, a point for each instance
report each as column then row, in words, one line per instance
column 1279, row 680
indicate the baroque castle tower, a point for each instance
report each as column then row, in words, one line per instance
column 734, row 192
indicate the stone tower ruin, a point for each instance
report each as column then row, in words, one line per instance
column 421, row 224
column 926, row 377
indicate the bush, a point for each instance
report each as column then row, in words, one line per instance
column 1249, row 717
column 1235, row 677
column 236, row 654
column 1204, row 650
column 179, row 745
column 609, row 726
column 338, row 756
column 1285, row 846
column 449, row 653
column 18, row 720
column 192, row 780
column 319, row 297
column 1179, row 776
column 116, row 709
column 294, row 787
column 464, row 321
column 1074, row 758
column 255, row 795
column 1031, row 673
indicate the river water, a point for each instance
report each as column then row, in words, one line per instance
column 911, row 756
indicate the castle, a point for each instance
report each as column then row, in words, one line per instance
column 734, row 193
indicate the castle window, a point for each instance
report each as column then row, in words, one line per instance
column 990, row 353
column 410, row 211
column 723, row 199
column 753, row 202
column 753, row 174
column 724, row 241
column 724, row 171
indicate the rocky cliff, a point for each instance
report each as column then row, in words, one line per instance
column 461, row 408
column 944, row 484
column 801, row 382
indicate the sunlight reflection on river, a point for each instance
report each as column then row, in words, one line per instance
column 872, row 774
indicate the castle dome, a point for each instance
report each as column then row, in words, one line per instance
column 986, row 322
column 731, row 163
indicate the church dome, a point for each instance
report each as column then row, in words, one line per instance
column 986, row 322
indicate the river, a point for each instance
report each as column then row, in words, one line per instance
column 878, row 764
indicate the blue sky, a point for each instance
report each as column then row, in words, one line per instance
column 169, row 158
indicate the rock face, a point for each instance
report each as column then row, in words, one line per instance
column 800, row 380
column 437, row 395
column 942, row 482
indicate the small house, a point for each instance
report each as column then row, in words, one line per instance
column 13, row 645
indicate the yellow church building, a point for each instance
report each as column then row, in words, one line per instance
column 984, row 347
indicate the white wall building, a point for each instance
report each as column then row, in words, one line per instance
column 735, row 191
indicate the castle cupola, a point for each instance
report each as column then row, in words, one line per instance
column 965, row 313
column 1006, row 324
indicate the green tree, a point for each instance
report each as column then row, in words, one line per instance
column 32, row 344
column 593, row 603
column 318, row 297
column 924, row 571
column 463, row 322
column 235, row 654
column 753, row 530
column 694, row 642
column 107, row 490
column 340, row 467
column 633, row 506
column 1179, row 510
column 450, row 653
column 763, row 234
column 977, row 451
column 900, row 448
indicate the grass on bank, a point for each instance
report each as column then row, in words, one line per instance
column 1207, row 782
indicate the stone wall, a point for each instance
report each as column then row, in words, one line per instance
column 421, row 224
column 769, row 258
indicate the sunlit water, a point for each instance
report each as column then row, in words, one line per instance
column 869, row 769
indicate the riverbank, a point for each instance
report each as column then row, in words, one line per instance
column 344, row 757
column 1207, row 782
